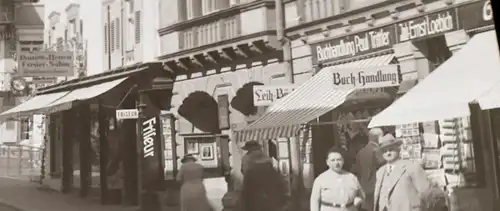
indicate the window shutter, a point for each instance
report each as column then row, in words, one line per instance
column 137, row 27
column 112, row 36
column 222, row 4
column 105, row 38
column 118, row 34
column 196, row 7
column 182, row 8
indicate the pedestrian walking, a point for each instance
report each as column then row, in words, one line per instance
column 263, row 188
column 336, row 189
column 368, row 161
column 193, row 195
column 400, row 183
column 254, row 153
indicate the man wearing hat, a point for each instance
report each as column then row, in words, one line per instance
column 400, row 183
column 254, row 154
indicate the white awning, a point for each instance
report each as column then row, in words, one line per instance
column 35, row 105
column 66, row 102
column 446, row 92
column 310, row 100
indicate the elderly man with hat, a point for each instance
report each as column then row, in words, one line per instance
column 254, row 154
column 400, row 183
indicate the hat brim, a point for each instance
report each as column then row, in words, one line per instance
column 396, row 143
column 251, row 146
column 183, row 160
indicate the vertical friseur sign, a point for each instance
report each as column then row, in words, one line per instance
column 151, row 153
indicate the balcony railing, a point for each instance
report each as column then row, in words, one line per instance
column 319, row 9
column 213, row 32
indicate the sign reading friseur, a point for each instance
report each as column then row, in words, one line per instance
column 374, row 77
column 466, row 16
column 265, row 95
column 45, row 64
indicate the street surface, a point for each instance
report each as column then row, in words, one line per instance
column 26, row 196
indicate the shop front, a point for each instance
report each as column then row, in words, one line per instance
column 88, row 149
column 455, row 93
column 333, row 115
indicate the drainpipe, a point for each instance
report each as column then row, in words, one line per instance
column 109, row 37
column 293, row 142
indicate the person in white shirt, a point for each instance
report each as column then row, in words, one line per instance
column 336, row 189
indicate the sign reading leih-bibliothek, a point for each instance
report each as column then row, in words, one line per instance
column 265, row 95
column 46, row 64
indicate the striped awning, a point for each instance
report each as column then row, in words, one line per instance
column 309, row 101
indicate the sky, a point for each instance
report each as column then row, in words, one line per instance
column 91, row 15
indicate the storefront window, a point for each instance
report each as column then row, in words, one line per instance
column 95, row 150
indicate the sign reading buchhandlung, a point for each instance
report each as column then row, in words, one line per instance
column 375, row 77
column 46, row 64
column 265, row 95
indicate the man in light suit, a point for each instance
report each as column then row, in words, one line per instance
column 400, row 183
column 368, row 161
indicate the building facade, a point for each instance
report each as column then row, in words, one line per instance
column 130, row 35
column 215, row 47
column 21, row 28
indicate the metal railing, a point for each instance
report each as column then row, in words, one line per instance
column 20, row 162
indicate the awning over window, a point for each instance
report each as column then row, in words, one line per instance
column 35, row 105
column 310, row 100
column 80, row 94
column 445, row 93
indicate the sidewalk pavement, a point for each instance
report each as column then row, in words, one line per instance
column 27, row 196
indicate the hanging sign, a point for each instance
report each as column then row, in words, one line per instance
column 374, row 77
column 127, row 114
column 265, row 95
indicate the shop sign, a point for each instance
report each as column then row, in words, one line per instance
column 428, row 25
column 148, row 137
column 46, row 63
column 476, row 15
column 354, row 45
column 375, row 77
column 265, row 95
column 127, row 114
column 151, row 141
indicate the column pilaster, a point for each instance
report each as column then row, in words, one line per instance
column 455, row 40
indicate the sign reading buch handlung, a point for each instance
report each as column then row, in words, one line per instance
column 375, row 77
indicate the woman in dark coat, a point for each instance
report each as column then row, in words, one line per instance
column 193, row 196
column 263, row 188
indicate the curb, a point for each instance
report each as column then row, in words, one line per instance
column 5, row 204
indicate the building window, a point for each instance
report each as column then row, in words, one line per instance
column 130, row 34
column 112, row 36
column 105, row 38
column 65, row 34
column 223, row 110
column 81, row 28
column 137, row 27
column 117, row 33
column 25, row 129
